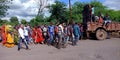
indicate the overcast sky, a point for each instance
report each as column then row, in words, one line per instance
column 27, row 9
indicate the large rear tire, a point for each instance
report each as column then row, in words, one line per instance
column 119, row 34
column 101, row 34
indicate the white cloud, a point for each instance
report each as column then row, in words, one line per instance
column 112, row 4
column 25, row 9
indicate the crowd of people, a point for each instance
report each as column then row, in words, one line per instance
column 54, row 34
column 57, row 35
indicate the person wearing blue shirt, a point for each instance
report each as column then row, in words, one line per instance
column 51, row 33
column 76, row 32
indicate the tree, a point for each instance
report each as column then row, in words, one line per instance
column 58, row 11
column 14, row 20
column 77, row 11
column 78, row 8
column 99, row 7
column 39, row 19
column 3, row 21
column 23, row 21
column 114, row 15
column 42, row 4
column 4, row 7
column 33, row 22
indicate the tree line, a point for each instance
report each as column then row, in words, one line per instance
column 59, row 12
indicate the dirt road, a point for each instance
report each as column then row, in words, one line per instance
column 86, row 50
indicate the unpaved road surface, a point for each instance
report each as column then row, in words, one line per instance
column 108, row 49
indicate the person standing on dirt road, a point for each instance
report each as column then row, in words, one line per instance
column 22, row 37
column 26, row 34
column 51, row 33
column 76, row 32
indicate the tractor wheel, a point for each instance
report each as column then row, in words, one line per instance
column 101, row 34
column 119, row 34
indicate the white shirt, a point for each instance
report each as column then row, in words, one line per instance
column 25, row 31
column 21, row 33
column 61, row 27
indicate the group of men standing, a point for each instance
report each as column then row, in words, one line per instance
column 57, row 35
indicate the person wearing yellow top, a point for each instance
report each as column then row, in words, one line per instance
column 9, row 35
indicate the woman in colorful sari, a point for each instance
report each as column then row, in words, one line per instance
column 0, row 35
column 40, row 38
column 9, row 35
column 16, row 37
column 34, row 34
column 3, row 33
column 37, row 35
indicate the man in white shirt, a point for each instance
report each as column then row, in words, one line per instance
column 21, row 37
column 60, row 35
column 26, row 34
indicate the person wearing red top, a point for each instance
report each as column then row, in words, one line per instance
column 4, row 38
column 40, row 38
column 37, row 35
column 34, row 33
column 100, row 18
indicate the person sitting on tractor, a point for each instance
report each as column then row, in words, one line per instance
column 107, row 19
column 100, row 18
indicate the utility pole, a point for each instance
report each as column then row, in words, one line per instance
column 70, row 11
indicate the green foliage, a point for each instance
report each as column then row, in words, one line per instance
column 35, row 21
column 4, row 22
column 39, row 19
column 32, row 22
column 99, row 7
column 14, row 20
column 78, row 8
column 23, row 21
column 77, row 11
column 4, row 7
column 58, row 11
column 115, row 15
